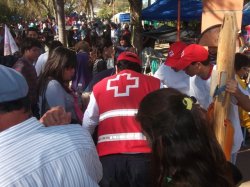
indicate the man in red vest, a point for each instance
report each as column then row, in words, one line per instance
column 121, row 145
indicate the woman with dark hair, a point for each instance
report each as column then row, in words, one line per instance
column 53, row 83
column 125, row 45
column 99, row 63
column 184, row 148
column 83, row 71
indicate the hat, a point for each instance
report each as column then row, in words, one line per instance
column 174, row 53
column 192, row 53
column 13, row 85
column 129, row 56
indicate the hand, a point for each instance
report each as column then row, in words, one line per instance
column 56, row 116
column 232, row 87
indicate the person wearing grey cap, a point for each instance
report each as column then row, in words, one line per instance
column 33, row 155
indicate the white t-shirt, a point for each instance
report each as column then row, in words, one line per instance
column 172, row 79
column 200, row 89
column 41, row 61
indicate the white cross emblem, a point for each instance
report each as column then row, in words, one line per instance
column 182, row 53
column 116, row 88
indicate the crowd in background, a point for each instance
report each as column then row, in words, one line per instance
column 100, row 61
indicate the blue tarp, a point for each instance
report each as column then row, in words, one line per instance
column 246, row 14
column 166, row 10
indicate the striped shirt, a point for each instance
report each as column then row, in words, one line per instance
column 32, row 155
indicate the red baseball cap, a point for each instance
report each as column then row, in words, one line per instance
column 174, row 53
column 192, row 53
column 129, row 56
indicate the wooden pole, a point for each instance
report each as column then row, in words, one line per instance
column 61, row 21
column 179, row 20
column 149, row 2
column 225, row 70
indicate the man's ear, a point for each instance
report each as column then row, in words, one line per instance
column 198, row 64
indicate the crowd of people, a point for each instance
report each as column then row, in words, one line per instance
column 132, row 129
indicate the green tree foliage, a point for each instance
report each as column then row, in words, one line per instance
column 110, row 8
column 105, row 12
column 6, row 13
column 30, row 9
column 121, row 6
column 10, row 11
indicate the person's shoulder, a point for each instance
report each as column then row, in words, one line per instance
column 162, row 69
column 150, row 77
column 19, row 64
column 100, row 76
column 71, row 134
column 105, row 80
column 53, row 83
column 43, row 55
column 8, row 60
column 19, row 61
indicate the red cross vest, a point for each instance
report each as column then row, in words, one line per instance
column 118, row 99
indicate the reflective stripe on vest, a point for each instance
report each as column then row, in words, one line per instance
column 121, row 136
column 116, row 113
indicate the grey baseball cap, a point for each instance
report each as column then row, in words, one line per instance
column 13, row 85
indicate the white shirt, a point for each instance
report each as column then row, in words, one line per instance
column 172, row 79
column 32, row 155
column 41, row 61
column 91, row 115
column 234, row 111
column 200, row 89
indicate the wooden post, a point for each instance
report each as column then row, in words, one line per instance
column 225, row 69
column 179, row 22
column 61, row 21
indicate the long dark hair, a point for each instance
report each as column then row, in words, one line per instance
column 184, row 148
column 60, row 59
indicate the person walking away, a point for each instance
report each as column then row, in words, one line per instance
column 123, row 149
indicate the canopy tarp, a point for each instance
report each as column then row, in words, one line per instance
column 167, row 10
column 246, row 14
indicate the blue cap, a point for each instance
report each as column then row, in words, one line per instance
column 13, row 85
